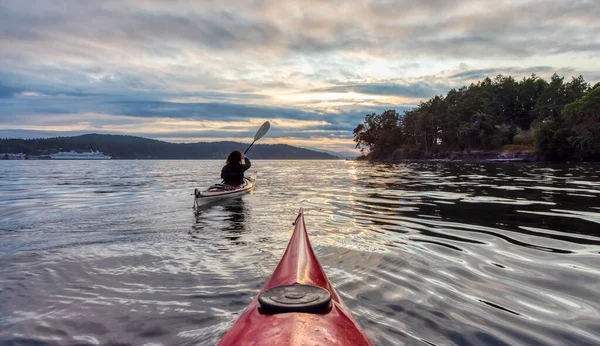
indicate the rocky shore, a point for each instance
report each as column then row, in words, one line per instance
column 512, row 153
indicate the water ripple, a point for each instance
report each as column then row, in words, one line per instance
column 423, row 253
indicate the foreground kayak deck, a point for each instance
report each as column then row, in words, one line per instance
column 332, row 326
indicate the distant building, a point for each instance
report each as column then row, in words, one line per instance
column 10, row 156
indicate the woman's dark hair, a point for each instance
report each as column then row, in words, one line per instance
column 235, row 156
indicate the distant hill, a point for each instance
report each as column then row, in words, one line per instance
column 342, row 153
column 131, row 147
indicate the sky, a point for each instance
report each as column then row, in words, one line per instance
column 189, row 71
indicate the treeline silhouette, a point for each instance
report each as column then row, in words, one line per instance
column 558, row 120
column 131, row 147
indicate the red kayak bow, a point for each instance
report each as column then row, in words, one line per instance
column 297, row 306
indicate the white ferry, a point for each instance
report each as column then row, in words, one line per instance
column 73, row 155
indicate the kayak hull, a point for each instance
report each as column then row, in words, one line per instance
column 298, row 265
column 205, row 197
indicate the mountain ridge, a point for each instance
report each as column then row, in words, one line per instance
column 134, row 147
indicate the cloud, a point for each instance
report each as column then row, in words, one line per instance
column 482, row 73
column 129, row 63
column 155, row 127
column 6, row 91
column 305, row 27
column 417, row 90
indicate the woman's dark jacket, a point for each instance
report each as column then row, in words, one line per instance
column 233, row 172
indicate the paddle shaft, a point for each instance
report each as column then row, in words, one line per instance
column 249, row 148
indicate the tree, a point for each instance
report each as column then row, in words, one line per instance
column 529, row 91
column 582, row 117
column 487, row 115
column 380, row 133
column 551, row 141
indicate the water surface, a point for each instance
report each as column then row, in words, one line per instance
column 103, row 252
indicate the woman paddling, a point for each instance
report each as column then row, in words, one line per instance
column 233, row 172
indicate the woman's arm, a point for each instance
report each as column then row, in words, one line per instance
column 247, row 163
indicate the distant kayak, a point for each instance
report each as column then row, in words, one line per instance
column 222, row 191
column 297, row 305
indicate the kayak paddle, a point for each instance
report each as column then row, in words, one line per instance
column 261, row 132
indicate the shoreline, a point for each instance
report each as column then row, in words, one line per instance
column 505, row 155
column 525, row 157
